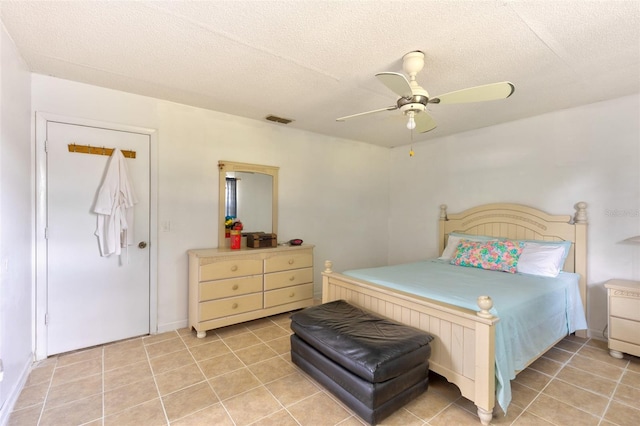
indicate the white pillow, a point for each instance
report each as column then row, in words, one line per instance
column 454, row 240
column 540, row 259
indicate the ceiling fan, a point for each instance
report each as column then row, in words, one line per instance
column 414, row 99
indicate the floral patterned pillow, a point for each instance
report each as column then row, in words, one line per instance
column 493, row 255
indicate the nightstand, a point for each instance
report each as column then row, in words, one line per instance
column 624, row 317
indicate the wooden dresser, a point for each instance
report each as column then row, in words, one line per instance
column 624, row 317
column 232, row 286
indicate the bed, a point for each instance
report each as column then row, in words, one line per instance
column 469, row 337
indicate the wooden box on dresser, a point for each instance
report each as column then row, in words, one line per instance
column 232, row 286
column 624, row 317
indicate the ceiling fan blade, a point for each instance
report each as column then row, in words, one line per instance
column 396, row 82
column 488, row 92
column 389, row 108
column 424, row 122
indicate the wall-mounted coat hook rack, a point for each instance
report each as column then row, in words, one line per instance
column 88, row 149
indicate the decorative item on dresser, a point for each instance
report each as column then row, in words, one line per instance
column 624, row 317
column 232, row 286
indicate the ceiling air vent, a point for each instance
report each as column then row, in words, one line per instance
column 278, row 119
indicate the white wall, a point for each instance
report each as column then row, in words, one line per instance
column 590, row 153
column 15, row 224
column 332, row 192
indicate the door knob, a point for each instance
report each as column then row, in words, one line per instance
column 142, row 244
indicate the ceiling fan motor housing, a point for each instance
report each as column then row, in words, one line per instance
column 416, row 103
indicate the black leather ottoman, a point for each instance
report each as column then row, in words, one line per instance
column 372, row 364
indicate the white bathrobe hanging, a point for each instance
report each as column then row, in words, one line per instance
column 114, row 206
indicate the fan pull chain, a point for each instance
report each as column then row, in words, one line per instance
column 411, row 153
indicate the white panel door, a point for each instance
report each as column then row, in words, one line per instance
column 92, row 299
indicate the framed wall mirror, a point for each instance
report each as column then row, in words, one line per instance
column 248, row 192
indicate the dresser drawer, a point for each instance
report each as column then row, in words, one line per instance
column 288, row 295
column 626, row 307
column 230, row 287
column 230, row 306
column 625, row 330
column 230, row 269
column 289, row 260
column 288, row 278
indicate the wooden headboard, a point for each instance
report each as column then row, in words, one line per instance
column 518, row 222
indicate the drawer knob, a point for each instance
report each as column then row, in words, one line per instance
column 235, row 287
column 292, row 277
column 292, row 294
column 234, row 306
column 290, row 261
column 234, row 268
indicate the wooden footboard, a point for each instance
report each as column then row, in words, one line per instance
column 463, row 350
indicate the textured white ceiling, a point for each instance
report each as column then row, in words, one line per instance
column 314, row 61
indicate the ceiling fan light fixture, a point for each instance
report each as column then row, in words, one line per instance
column 411, row 124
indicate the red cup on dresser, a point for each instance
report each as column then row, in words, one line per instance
column 235, row 239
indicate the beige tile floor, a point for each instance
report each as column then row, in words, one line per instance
column 242, row 375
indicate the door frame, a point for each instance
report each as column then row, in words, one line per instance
column 40, row 252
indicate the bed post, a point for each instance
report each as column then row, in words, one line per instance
column 328, row 265
column 485, row 373
column 580, row 252
column 443, row 218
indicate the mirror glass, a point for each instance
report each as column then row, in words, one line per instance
column 254, row 190
column 253, row 200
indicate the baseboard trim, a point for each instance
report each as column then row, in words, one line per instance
column 172, row 326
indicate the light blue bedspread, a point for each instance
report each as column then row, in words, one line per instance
column 534, row 311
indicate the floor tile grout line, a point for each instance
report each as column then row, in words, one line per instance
column 618, row 382
column 83, row 397
column 206, row 379
column 44, row 401
column 247, row 366
column 66, row 403
column 613, row 393
column 565, row 364
column 596, row 374
column 539, row 392
column 586, row 389
column 155, row 382
column 251, row 372
column 164, row 341
column 320, row 390
column 424, row 422
column 283, row 407
column 595, row 416
column 130, row 408
column 246, row 347
column 451, row 404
